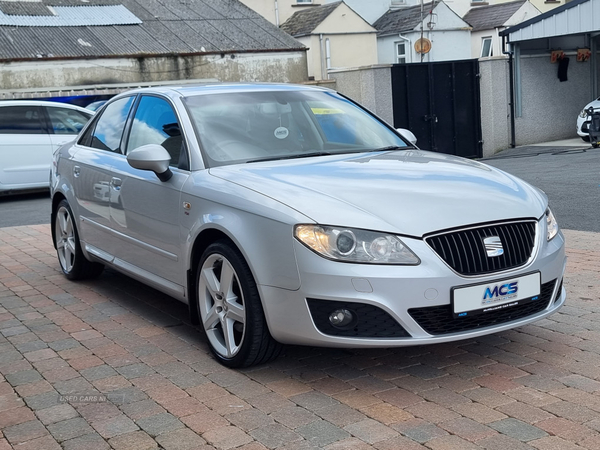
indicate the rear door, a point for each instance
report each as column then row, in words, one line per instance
column 25, row 147
column 96, row 189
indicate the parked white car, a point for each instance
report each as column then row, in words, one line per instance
column 30, row 132
column 583, row 120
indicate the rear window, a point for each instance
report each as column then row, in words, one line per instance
column 20, row 120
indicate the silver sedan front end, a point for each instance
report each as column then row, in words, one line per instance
column 408, row 305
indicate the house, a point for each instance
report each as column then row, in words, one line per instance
column 399, row 29
column 54, row 43
column 488, row 21
column 549, row 92
column 462, row 7
column 336, row 37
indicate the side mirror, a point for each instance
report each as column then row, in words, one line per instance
column 151, row 157
column 407, row 134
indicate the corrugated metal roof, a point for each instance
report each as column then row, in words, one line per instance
column 167, row 27
column 74, row 16
column 575, row 17
column 492, row 16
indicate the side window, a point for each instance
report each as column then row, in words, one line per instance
column 109, row 127
column 67, row 121
column 21, row 120
column 155, row 123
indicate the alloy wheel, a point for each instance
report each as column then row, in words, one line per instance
column 222, row 306
column 65, row 239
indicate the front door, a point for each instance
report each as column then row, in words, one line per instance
column 147, row 219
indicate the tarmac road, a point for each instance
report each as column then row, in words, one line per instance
column 570, row 178
column 24, row 209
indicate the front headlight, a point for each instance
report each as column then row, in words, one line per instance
column 552, row 225
column 356, row 246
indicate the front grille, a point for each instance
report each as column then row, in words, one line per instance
column 438, row 320
column 465, row 251
column 372, row 322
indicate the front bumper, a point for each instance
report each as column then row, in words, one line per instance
column 396, row 290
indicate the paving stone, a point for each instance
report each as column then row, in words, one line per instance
column 518, row 429
column 322, row 433
column 182, row 439
column 159, row 423
column 24, row 432
column 314, row 400
column 340, row 415
column 371, row 431
column 69, row 429
column 250, row 419
column 98, row 372
column 135, row 371
column 24, row 377
column 138, row 440
column 15, row 416
column 64, row 344
column 203, row 421
column 31, row 346
column 293, row 416
column 41, row 443
column 87, row 441
column 419, row 430
column 274, row 435
column 115, row 426
column 56, row 413
column 43, row 401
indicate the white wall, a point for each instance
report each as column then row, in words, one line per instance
column 445, row 46
column 276, row 67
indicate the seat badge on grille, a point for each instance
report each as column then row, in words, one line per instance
column 493, row 246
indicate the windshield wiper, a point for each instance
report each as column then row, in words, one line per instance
column 385, row 149
column 299, row 155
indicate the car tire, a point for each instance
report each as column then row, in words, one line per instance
column 68, row 248
column 230, row 309
column 585, row 138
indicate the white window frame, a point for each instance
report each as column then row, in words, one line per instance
column 491, row 52
column 403, row 55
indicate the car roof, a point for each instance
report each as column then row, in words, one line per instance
column 214, row 88
column 4, row 103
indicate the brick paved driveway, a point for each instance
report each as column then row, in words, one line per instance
column 113, row 364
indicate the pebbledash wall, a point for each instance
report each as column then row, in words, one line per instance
column 287, row 67
column 546, row 108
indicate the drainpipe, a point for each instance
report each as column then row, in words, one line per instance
column 276, row 14
column 324, row 74
column 409, row 49
column 511, row 81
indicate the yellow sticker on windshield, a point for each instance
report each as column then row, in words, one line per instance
column 323, row 111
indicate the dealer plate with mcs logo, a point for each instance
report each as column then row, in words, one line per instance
column 489, row 297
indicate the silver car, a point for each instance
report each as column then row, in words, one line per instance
column 290, row 215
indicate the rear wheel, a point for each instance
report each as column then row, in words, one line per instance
column 71, row 259
column 230, row 309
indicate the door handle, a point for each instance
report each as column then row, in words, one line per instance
column 116, row 183
column 76, row 171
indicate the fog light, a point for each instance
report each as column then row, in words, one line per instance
column 341, row 318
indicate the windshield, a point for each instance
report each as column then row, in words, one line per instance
column 245, row 127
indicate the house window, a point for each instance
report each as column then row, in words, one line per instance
column 398, row 2
column 486, row 47
column 327, row 54
column 303, row 1
column 400, row 52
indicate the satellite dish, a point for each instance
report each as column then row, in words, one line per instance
column 422, row 45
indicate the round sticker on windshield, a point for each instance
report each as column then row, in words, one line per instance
column 281, row 133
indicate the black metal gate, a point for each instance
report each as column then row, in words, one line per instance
column 440, row 103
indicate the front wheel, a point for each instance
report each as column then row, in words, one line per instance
column 68, row 248
column 230, row 309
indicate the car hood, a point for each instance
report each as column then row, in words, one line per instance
column 411, row 192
